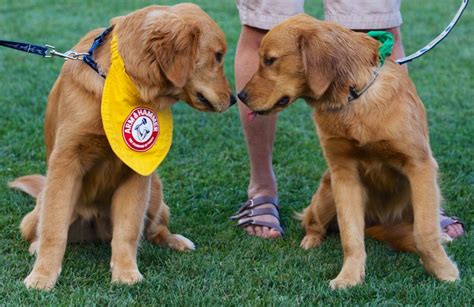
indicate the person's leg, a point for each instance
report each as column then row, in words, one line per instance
column 259, row 132
column 257, row 17
column 366, row 15
column 398, row 52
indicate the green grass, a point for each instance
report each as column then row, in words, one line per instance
column 205, row 177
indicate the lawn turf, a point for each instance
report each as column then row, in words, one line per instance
column 205, row 178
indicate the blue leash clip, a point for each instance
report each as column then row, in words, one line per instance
column 68, row 55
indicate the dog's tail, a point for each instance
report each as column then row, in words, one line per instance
column 31, row 184
column 399, row 236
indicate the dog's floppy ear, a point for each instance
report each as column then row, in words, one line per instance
column 318, row 64
column 174, row 42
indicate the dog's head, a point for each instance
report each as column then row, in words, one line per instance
column 176, row 52
column 305, row 57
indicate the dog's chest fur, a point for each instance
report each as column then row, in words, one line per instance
column 103, row 173
column 366, row 137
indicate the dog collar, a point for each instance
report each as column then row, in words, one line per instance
column 139, row 133
column 385, row 49
column 354, row 94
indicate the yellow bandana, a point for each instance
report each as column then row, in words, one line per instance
column 139, row 134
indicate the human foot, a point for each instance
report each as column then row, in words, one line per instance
column 452, row 226
column 260, row 217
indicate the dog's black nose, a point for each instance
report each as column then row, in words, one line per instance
column 243, row 96
column 232, row 100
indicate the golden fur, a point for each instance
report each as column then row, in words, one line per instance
column 88, row 191
column 381, row 171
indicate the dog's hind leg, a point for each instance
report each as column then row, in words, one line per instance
column 29, row 224
column 157, row 231
column 319, row 214
column 32, row 185
column 29, row 227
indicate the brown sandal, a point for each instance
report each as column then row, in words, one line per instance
column 250, row 209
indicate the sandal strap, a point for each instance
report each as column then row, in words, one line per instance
column 258, row 201
column 256, row 212
column 450, row 220
column 261, row 223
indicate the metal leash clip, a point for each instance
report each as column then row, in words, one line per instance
column 68, row 55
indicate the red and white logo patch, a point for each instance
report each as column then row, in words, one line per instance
column 141, row 129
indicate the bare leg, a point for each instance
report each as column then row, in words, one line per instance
column 398, row 51
column 259, row 133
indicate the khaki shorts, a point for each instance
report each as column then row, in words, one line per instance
column 354, row 14
column 265, row 14
column 364, row 14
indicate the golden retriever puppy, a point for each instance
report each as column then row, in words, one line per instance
column 169, row 53
column 381, row 170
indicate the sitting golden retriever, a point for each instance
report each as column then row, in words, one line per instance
column 381, row 171
column 169, row 53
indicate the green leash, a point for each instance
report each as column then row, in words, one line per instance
column 387, row 40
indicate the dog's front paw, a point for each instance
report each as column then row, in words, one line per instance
column 343, row 282
column 180, row 243
column 128, row 277
column 310, row 241
column 445, row 271
column 40, row 281
column 348, row 277
column 448, row 274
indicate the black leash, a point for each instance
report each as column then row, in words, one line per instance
column 49, row 51
column 44, row 51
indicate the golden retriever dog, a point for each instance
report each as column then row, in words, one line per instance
column 381, row 170
column 170, row 53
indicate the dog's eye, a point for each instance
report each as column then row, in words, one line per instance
column 219, row 56
column 269, row 61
